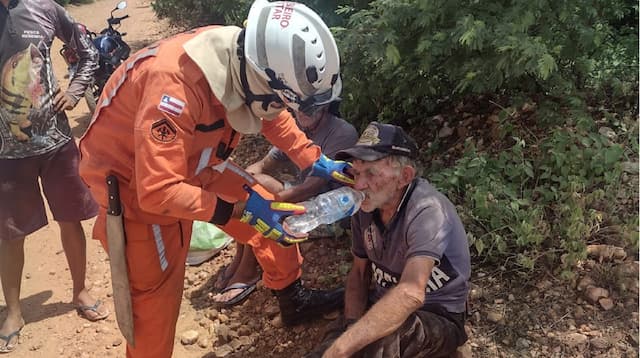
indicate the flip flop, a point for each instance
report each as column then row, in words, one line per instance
column 246, row 288
column 7, row 347
column 82, row 311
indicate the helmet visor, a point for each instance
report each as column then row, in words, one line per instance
column 312, row 104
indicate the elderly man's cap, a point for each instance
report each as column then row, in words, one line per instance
column 381, row 140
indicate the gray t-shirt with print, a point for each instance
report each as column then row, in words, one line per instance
column 29, row 125
column 332, row 135
column 426, row 224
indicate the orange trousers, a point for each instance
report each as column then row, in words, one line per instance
column 156, row 256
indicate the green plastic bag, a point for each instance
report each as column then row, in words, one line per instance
column 206, row 241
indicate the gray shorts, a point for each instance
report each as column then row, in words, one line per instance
column 22, row 209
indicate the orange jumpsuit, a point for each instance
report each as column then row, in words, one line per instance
column 162, row 132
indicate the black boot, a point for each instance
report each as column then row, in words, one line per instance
column 299, row 304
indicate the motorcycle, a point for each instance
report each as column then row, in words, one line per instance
column 113, row 51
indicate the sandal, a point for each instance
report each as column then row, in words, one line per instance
column 82, row 311
column 7, row 347
column 246, row 290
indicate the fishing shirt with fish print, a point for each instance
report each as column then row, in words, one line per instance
column 28, row 124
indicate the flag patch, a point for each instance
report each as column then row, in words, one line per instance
column 171, row 105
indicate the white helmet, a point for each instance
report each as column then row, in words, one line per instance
column 290, row 46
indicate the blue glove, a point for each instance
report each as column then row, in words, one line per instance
column 266, row 216
column 329, row 169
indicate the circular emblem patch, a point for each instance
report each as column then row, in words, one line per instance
column 370, row 136
column 164, row 131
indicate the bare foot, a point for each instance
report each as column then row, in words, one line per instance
column 227, row 272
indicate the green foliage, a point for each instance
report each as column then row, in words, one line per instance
column 536, row 200
column 402, row 57
column 191, row 13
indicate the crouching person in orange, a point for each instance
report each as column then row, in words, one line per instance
column 165, row 126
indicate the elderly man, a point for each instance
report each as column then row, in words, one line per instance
column 409, row 240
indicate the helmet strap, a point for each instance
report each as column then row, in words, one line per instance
column 250, row 97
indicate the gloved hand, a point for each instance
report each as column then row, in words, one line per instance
column 266, row 216
column 329, row 169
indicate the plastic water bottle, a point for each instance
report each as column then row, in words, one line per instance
column 326, row 208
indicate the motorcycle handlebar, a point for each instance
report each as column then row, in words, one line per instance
column 116, row 20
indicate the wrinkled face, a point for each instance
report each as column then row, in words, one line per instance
column 381, row 183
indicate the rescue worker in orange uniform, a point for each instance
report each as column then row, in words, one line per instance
column 165, row 126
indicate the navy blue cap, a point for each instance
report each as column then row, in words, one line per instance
column 378, row 141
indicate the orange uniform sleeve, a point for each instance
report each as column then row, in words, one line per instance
column 283, row 132
column 164, row 133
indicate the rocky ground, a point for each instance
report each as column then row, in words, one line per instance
column 512, row 315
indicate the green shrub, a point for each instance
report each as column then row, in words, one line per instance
column 191, row 13
column 401, row 58
column 540, row 199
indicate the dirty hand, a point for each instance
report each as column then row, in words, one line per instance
column 334, row 352
column 63, row 101
column 265, row 216
column 336, row 170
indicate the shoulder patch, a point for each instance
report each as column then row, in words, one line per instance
column 164, row 131
column 171, row 105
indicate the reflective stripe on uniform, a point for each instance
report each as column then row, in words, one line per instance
column 220, row 167
column 129, row 65
column 204, row 159
column 235, row 169
column 157, row 235
column 240, row 172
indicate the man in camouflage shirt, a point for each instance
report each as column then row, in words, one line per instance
column 409, row 244
column 36, row 146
